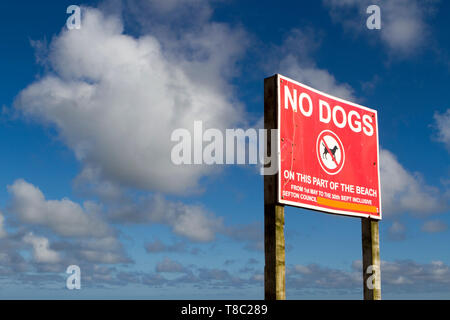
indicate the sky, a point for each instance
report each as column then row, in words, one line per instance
column 86, row 122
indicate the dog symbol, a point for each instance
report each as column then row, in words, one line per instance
column 325, row 152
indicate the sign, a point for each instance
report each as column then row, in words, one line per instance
column 328, row 155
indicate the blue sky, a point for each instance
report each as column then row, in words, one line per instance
column 86, row 122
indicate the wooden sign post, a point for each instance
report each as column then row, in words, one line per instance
column 274, row 249
column 371, row 259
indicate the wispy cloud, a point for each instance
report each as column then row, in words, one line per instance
column 397, row 231
column 251, row 235
column 442, row 124
column 404, row 23
column 434, row 226
column 297, row 61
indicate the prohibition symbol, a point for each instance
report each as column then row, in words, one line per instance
column 330, row 152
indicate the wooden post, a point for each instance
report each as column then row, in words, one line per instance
column 274, row 245
column 371, row 259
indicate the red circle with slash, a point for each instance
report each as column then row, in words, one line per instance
column 330, row 152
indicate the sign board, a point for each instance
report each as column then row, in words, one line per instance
column 328, row 153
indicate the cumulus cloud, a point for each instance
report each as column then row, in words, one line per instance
column 250, row 235
column 191, row 221
column 434, row 226
column 96, row 241
column 42, row 252
column 115, row 99
column 405, row 192
column 443, row 126
column 64, row 217
column 404, row 23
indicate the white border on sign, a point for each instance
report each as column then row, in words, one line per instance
column 317, row 208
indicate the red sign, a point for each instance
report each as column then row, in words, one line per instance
column 328, row 152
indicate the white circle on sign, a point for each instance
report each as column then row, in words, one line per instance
column 330, row 152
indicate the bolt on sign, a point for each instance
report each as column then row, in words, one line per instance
column 328, row 155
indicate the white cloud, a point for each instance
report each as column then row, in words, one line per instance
column 64, row 217
column 443, row 127
column 404, row 192
column 96, row 239
column 41, row 249
column 404, row 26
column 434, row 226
column 190, row 221
column 116, row 99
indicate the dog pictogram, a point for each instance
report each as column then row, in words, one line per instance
column 325, row 152
column 330, row 152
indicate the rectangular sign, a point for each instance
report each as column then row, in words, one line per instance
column 328, row 155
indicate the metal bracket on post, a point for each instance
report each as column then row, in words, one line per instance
column 371, row 259
column 274, row 244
